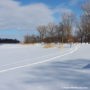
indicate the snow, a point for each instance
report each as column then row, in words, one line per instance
column 44, row 68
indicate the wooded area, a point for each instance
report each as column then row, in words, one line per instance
column 63, row 32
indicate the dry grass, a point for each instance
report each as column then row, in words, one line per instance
column 61, row 46
column 28, row 43
column 49, row 45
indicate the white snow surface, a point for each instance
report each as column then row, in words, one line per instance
column 32, row 67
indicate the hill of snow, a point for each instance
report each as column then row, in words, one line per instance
column 32, row 67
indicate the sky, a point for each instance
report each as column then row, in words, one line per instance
column 21, row 17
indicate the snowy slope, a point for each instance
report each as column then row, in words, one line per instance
column 65, row 72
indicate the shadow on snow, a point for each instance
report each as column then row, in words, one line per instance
column 69, row 72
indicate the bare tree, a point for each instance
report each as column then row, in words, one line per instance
column 80, row 33
column 30, row 39
column 42, row 32
column 85, row 19
column 60, row 32
column 67, row 21
column 51, row 31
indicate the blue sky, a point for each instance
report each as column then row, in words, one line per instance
column 20, row 17
column 48, row 2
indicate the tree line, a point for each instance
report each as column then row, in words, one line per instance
column 9, row 40
column 63, row 32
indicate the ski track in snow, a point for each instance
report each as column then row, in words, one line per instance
column 39, row 62
column 41, row 57
column 45, row 56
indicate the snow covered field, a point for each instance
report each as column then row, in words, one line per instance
column 32, row 67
